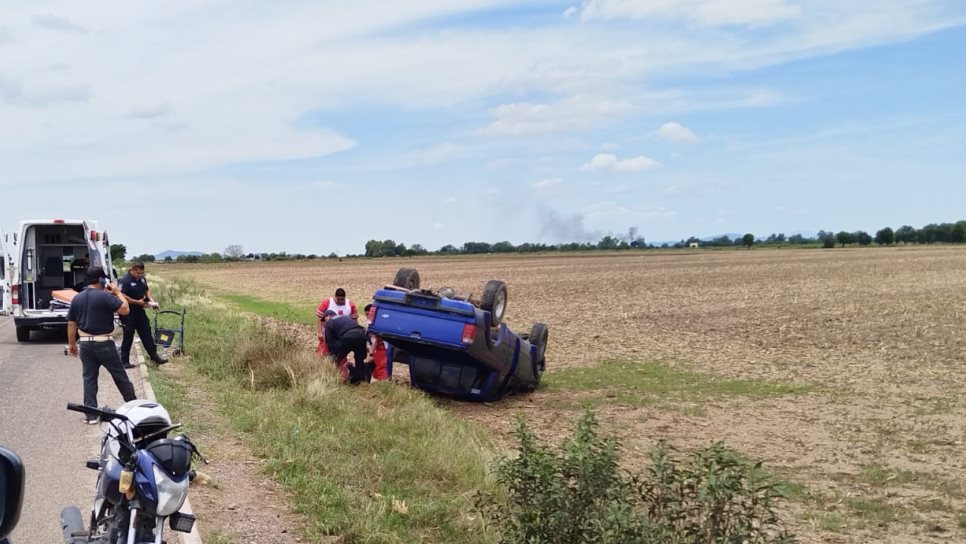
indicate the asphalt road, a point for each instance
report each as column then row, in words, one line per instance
column 36, row 382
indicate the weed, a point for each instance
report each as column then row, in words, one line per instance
column 579, row 494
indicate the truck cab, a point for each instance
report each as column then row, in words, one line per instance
column 45, row 256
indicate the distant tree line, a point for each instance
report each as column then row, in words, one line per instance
column 933, row 233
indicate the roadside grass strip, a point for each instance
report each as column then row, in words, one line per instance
column 371, row 463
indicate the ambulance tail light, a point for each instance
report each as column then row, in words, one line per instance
column 15, row 294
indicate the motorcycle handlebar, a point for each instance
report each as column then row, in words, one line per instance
column 91, row 411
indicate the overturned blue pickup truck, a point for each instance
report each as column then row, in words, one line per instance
column 457, row 346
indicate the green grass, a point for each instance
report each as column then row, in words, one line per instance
column 962, row 521
column 873, row 511
column 218, row 537
column 792, row 491
column 877, row 475
column 832, row 522
column 303, row 314
column 643, row 383
column 346, row 455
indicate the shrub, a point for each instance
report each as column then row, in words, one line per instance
column 579, row 494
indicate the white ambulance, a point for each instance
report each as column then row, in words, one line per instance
column 42, row 257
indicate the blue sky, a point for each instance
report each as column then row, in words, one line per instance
column 314, row 126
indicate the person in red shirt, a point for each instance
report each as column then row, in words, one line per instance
column 341, row 306
column 377, row 351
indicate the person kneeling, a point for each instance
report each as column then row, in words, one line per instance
column 343, row 335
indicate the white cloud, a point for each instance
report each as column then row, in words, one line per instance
column 607, row 161
column 676, row 133
column 438, row 225
column 659, row 213
column 151, row 112
column 574, row 113
column 54, row 22
column 570, row 12
column 618, row 189
column 547, row 185
column 450, row 200
column 604, row 209
column 702, row 12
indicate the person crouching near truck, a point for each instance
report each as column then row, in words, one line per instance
column 90, row 322
column 377, row 351
column 338, row 305
column 344, row 336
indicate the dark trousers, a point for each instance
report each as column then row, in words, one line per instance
column 137, row 321
column 93, row 356
column 355, row 342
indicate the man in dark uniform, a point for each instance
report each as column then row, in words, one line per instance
column 91, row 317
column 343, row 335
column 135, row 289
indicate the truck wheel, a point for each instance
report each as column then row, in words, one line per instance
column 23, row 334
column 407, row 278
column 538, row 337
column 494, row 300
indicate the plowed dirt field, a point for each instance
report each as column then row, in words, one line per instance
column 851, row 363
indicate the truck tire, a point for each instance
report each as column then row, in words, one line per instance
column 538, row 337
column 494, row 300
column 23, row 334
column 407, row 278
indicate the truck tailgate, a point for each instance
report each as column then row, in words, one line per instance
column 422, row 319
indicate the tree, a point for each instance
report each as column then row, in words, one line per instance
column 958, row 235
column 118, row 252
column 885, row 237
column 476, row 247
column 907, row 235
column 145, row 258
column 608, row 242
column 845, row 238
column 828, row 242
column 234, row 252
column 862, row 237
column 748, row 240
column 503, row 247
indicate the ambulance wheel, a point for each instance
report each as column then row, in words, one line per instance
column 23, row 334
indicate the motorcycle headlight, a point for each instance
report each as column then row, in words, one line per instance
column 171, row 493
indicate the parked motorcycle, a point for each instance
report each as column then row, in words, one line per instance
column 143, row 478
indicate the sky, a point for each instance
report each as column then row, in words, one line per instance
column 312, row 127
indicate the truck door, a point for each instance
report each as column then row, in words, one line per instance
column 5, row 277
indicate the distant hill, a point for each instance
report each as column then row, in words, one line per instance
column 174, row 254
